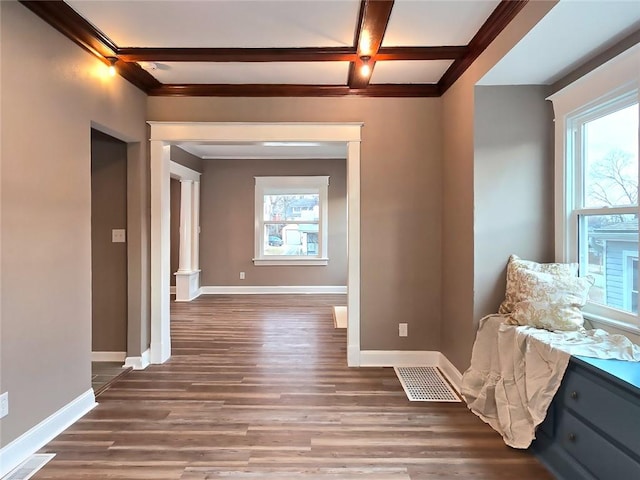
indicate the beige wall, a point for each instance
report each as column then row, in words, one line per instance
column 513, row 186
column 186, row 159
column 227, row 221
column 108, row 259
column 401, row 199
column 458, row 322
column 52, row 91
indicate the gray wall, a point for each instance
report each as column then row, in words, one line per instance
column 401, row 197
column 108, row 259
column 52, row 92
column 227, row 222
column 513, row 186
column 458, row 321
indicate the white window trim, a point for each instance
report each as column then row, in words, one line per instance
column 612, row 80
column 627, row 280
column 292, row 184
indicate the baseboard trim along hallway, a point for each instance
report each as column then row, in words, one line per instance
column 31, row 441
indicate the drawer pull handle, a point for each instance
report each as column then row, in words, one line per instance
column 572, row 437
column 574, row 395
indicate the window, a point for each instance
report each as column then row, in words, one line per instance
column 602, row 203
column 291, row 220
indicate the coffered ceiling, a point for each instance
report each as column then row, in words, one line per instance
column 284, row 47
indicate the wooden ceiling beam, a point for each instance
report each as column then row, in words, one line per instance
column 374, row 20
column 421, row 53
column 329, row 54
column 337, row 54
column 286, row 90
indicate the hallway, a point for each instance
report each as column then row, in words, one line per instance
column 257, row 388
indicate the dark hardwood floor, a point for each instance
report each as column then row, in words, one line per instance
column 258, row 388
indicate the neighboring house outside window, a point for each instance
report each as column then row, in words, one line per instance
column 597, row 187
column 291, row 218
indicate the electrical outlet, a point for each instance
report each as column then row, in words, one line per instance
column 4, row 404
column 118, row 235
column 403, row 329
column 241, row 275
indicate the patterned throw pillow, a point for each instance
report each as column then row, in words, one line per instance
column 517, row 265
column 552, row 302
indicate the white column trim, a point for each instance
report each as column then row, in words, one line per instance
column 186, row 200
column 160, row 238
column 195, row 227
column 353, row 254
column 164, row 134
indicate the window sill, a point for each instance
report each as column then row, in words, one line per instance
column 290, row 262
column 599, row 320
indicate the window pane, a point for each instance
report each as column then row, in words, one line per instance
column 292, row 207
column 299, row 239
column 609, row 252
column 610, row 151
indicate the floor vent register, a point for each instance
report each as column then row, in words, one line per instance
column 425, row 384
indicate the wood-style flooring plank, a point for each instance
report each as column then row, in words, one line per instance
column 258, row 388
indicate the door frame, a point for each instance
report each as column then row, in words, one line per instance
column 164, row 134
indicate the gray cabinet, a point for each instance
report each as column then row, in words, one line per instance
column 592, row 429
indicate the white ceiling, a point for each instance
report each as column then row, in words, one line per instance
column 438, row 23
column 223, row 23
column 318, row 73
column 570, row 34
column 400, row 71
column 260, row 150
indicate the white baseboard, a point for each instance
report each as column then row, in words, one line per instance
column 34, row 439
column 138, row 363
column 451, row 372
column 399, row 358
column 412, row 358
column 108, row 356
column 268, row 290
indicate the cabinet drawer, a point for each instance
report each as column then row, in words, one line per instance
column 595, row 452
column 604, row 408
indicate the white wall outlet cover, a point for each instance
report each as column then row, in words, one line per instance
column 118, row 235
column 4, row 404
column 403, row 329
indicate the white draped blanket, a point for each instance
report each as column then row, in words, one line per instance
column 515, row 372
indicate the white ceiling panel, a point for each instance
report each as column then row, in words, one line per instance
column 436, row 23
column 569, row 35
column 305, row 73
column 284, row 150
column 401, row 71
column 223, row 23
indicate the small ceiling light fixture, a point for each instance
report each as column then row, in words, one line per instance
column 112, row 65
column 365, row 69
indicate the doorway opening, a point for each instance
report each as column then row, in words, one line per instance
column 165, row 134
column 109, row 296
